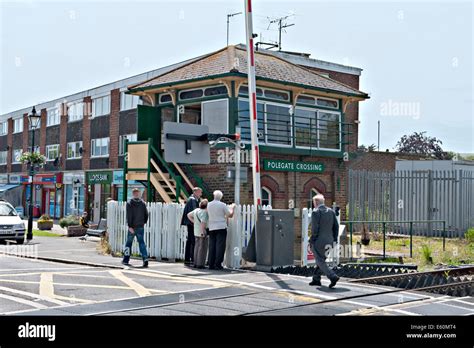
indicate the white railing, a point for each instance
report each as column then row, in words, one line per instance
column 166, row 238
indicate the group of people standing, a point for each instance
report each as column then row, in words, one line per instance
column 206, row 223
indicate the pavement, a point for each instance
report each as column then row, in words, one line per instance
column 69, row 276
column 56, row 228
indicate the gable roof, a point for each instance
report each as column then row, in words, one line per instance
column 233, row 59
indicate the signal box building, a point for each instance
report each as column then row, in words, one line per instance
column 307, row 118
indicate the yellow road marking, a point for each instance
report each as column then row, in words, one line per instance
column 138, row 288
column 46, row 287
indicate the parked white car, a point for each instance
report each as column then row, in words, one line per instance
column 12, row 226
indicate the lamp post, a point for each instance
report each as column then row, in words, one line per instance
column 33, row 121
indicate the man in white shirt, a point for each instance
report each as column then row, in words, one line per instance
column 218, row 213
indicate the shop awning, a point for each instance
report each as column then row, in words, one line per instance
column 6, row 187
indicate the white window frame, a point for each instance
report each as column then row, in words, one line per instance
column 135, row 101
column 316, row 101
column 35, row 149
column 270, row 196
column 15, row 128
column 130, row 137
column 263, row 89
column 264, row 141
column 178, row 116
column 203, row 89
column 95, row 112
column 93, row 141
column 317, row 111
column 14, row 161
column 4, row 128
column 312, row 109
column 49, row 149
column 55, row 116
column 265, row 103
column 163, row 94
column 75, row 117
column 340, row 130
column 3, row 157
column 78, row 155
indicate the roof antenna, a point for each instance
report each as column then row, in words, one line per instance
column 282, row 24
column 228, row 17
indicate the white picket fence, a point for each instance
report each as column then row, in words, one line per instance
column 166, row 238
column 307, row 257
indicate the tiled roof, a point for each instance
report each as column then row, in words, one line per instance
column 234, row 59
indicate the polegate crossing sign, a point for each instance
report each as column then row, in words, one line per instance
column 293, row 166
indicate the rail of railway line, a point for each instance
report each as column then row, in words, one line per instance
column 447, row 281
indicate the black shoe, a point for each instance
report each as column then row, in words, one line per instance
column 219, row 268
column 333, row 282
column 145, row 264
column 315, row 283
column 125, row 263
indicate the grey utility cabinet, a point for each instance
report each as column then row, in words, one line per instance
column 275, row 238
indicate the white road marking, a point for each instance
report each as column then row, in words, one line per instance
column 32, row 295
column 23, row 301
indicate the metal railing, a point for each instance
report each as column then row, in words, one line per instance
column 384, row 230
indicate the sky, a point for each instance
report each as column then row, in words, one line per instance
column 417, row 57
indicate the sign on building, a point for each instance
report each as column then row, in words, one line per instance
column 99, row 177
column 293, row 166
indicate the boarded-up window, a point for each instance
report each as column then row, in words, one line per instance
column 215, row 114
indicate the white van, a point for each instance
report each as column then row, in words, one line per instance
column 12, row 226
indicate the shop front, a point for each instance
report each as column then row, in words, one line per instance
column 118, row 184
column 47, row 194
column 99, row 190
column 74, row 197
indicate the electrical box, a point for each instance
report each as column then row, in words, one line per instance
column 275, row 238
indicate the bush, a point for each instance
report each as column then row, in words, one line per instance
column 427, row 253
column 45, row 217
column 69, row 220
column 469, row 235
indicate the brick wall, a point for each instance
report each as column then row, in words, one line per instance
column 10, row 145
column 42, row 132
column 86, row 133
column 63, row 130
column 25, row 138
column 114, row 128
column 379, row 161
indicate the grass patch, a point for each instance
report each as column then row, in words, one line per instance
column 459, row 251
column 39, row 233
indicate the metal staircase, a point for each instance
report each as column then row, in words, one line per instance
column 144, row 163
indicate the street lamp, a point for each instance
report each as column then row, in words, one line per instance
column 33, row 122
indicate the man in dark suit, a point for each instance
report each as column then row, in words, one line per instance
column 324, row 232
column 191, row 204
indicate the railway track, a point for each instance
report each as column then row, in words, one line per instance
column 450, row 281
column 457, row 282
column 351, row 270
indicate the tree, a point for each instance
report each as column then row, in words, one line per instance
column 421, row 144
column 370, row 148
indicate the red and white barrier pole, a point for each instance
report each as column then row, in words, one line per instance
column 257, row 193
